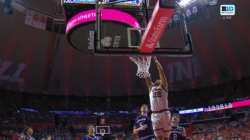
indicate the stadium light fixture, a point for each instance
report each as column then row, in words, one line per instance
column 213, row 2
column 184, row 3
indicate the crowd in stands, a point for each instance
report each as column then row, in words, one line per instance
column 42, row 119
column 209, row 115
column 226, row 92
column 222, row 93
column 205, row 131
column 9, row 135
column 239, row 129
column 56, row 133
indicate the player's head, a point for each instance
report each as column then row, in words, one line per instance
column 28, row 131
column 157, row 82
column 91, row 129
column 175, row 118
column 48, row 137
column 144, row 108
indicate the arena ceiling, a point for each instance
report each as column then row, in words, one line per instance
column 31, row 62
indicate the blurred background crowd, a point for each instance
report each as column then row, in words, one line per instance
column 66, row 118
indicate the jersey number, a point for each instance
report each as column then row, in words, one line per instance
column 140, row 124
column 156, row 94
column 175, row 136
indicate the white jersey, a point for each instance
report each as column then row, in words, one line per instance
column 158, row 98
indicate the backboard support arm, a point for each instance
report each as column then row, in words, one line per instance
column 97, row 38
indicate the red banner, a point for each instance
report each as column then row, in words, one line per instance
column 155, row 28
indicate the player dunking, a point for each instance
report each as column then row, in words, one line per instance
column 143, row 125
column 28, row 131
column 177, row 132
column 158, row 93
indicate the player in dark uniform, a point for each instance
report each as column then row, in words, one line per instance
column 177, row 132
column 28, row 131
column 91, row 133
column 143, row 125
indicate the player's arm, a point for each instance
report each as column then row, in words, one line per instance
column 21, row 138
column 149, row 114
column 149, row 83
column 137, row 130
column 161, row 73
column 184, row 132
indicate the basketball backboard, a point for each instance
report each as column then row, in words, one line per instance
column 123, row 33
column 102, row 129
column 118, row 30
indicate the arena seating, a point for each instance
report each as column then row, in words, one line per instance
column 203, row 128
column 56, row 133
column 13, row 118
column 226, row 92
column 224, row 129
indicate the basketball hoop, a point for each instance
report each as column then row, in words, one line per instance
column 143, row 64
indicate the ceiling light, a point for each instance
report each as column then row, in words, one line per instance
column 184, row 3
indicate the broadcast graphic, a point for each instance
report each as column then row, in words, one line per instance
column 227, row 11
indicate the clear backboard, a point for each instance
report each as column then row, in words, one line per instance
column 112, row 29
column 123, row 33
column 102, row 130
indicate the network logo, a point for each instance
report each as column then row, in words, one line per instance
column 227, row 10
column 106, row 41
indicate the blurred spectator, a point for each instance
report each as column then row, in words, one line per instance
column 40, row 111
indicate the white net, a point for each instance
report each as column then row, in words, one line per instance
column 102, row 133
column 143, row 64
